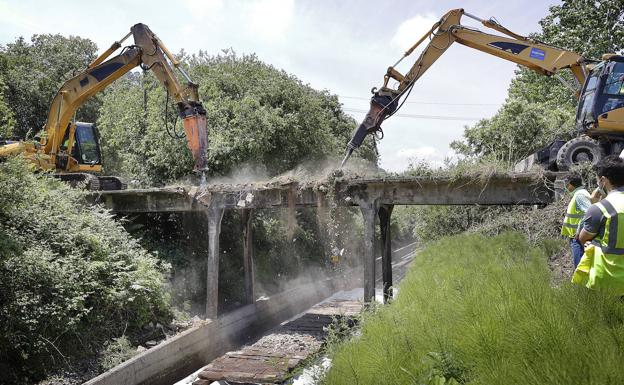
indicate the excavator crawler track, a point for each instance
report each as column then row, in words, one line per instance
column 92, row 182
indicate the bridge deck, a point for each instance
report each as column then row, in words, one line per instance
column 504, row 189
column 375, row 198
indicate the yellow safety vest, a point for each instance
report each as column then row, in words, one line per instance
column 604, row 259
column 573, row 215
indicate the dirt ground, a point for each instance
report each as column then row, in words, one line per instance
column 561, row 266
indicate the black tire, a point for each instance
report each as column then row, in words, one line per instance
column 579, row 150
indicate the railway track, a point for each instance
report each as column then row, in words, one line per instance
column 273, row 357
column 301, row 313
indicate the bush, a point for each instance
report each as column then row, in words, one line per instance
column 70, row 276
column 257, row 115
column 116, row 351
column 481, row 310
column 430, row 223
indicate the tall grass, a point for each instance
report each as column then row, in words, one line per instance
column 477, row 310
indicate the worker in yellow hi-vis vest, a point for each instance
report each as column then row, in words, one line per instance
column 577, row 207
column 602, row 265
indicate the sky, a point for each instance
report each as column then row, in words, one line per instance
column 344, row 46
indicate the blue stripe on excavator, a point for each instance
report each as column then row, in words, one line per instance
column 104, row 70
column 514, row 48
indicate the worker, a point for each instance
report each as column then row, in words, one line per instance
column 335, row 256
column 602, row 233
column 579, row 203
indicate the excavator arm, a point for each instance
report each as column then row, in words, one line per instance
column 522, row 50
column 149, row 53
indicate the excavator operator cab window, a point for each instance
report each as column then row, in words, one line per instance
column 613, row 91
column 587, row 103
column 87, row 149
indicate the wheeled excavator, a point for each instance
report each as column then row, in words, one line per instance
column 599, row 86
column 71, row 149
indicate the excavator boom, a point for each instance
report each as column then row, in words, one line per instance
column 540, row 57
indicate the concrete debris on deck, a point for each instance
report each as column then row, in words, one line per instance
column 504, row 189
column 271, row 359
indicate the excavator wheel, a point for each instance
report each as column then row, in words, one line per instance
column 579, row 150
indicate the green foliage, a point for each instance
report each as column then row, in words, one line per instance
column 435, row 222
column 70, row 276
column 134, row 141
column 481, row 310
column 429, row 223
column 540, row 108
column 34, row 71
column 588, row 27
column 7, row 119
column 403, row 221
column 515, row 130
column 115, row 352
column 256, row 114
column 535, row 224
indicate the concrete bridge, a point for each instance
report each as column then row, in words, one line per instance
column 375, row 198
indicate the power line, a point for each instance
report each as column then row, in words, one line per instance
column 415, row 116
column 430, row 103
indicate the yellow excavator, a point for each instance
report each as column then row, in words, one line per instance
column 71, row 148
column 599, row 86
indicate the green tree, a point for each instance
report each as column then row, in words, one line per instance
column 35, row 71
column 513, row 132
column 7, row 119
column 256, row 115
column 537, row 104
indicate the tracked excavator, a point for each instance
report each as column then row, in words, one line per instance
column 71, row 149
column 598, row 84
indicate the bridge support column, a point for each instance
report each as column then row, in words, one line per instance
column 246, row 216
column 215, row 215
column 385, row 211
column 369, row 213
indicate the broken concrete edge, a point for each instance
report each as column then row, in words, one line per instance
column 187, row 352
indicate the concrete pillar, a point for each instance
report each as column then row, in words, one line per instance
column 195, row 231
column 246, row 216
column 215, row 215
column 369, row 213
column 385, row 211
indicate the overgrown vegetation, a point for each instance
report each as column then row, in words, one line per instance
column 429, row 223
column 31, row 73
column 482, row 310
column 70, row 276
column 259, row 118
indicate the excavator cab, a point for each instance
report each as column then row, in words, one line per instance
column 83, row 150
column 601, row 105
column 599, row 119
column 82, row 155
column 86, row 148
